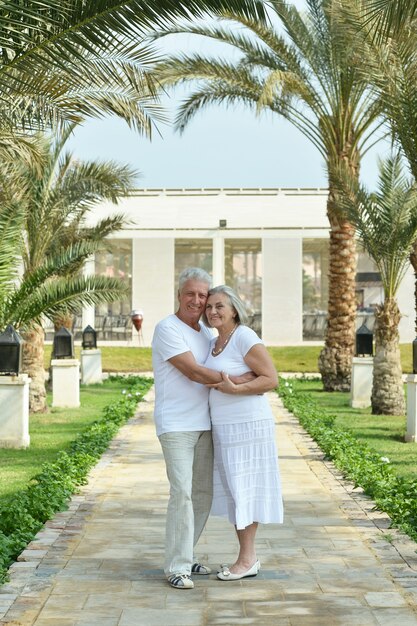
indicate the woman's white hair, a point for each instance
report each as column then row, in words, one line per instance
column 234, row 300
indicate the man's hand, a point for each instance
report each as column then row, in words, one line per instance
column 225, row 386
column 247, row 377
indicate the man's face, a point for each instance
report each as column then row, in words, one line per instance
column 192, row 299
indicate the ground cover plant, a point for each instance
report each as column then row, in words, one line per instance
column 71, row 450
column 383, row 433
column 368, row 449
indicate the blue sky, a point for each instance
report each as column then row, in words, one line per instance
column 219, row 148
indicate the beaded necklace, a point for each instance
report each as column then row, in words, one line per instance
column 215, row 352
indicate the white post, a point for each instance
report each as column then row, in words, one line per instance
column 282, row 291
column 88, row 312
column 361, row 382
column 65, row 382
column 14, row 414
column 411, row 434
column 91, row 370
column 218, row 259
column 153, row 263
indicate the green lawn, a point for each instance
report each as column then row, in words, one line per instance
column 383, row 433
column 53, row 432
column 116, row 359
column 295, row 358
column 305, row 358
column 135, row 359
column 286, row 359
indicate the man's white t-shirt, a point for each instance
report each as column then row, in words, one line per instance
column 180, row 404
column 228, row 408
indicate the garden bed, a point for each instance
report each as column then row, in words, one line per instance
column 360, row 462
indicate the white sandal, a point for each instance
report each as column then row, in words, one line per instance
column 226, row 574
column 180, row 581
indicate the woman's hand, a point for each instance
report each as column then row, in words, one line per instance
column 225, row 386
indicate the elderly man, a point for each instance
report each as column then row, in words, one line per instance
column 179, row 347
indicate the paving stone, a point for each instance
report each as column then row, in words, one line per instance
column 100, row 562
column 388, row 617
column 249, row 621
column 55, row 621
column 73, row 587
column 156, row 617
column 91, row 620
column 77, row 614
column 282, row 608
column 385, row 599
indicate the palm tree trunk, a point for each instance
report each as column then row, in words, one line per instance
column 335, row 361
column 33, row 365
column 387, row 386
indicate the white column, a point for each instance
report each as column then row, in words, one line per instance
column 218, row 259
column 153, row 289
column 411, row 434
column 406, row 305
column 361, row 382
column 91, row 369
column 65, row 382
column 282, row 291
column 14, row 414
column 88, row 314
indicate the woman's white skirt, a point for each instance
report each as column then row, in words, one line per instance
column 247, row 486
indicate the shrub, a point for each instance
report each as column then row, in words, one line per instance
column 361, row 464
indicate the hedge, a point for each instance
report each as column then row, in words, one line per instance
column 396, row 496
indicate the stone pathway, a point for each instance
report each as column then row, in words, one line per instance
column 100, row 561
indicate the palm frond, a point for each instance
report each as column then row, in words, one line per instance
column 82, row 26
column 103, row 85
column 105, row 227
column 50, row 55
column 61, row 262
column 27, row 306
column 387, row 17
column 15, row 145
column 209, row 94
column 59, row 198
column 11, row 243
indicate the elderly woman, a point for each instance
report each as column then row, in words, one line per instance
column 247, row 486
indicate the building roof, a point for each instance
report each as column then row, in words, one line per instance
column 202, row 209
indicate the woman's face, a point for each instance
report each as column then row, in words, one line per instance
column 219, row 311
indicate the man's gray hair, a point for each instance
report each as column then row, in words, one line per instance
column 193, row 273
column 241, row 313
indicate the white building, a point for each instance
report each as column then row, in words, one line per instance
column 269, row 244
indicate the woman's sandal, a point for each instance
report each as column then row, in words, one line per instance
column 226, row 574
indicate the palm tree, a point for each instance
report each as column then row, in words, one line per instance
column 61, row 62
column 44, row 291
column 386, row 224
column 390, row 36
column 306, row 76
column 56, row 202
